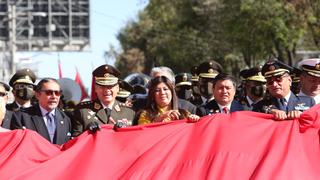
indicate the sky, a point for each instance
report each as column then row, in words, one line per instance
column 107, row 18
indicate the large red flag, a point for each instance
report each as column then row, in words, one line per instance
column 78, row 80
column 93, row 91
column 240, row 145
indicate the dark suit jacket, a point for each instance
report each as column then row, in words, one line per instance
column 186, row 105
column 212, row 107
column 7, row 120
column 295, row 102
column 12, row 106
column 31, row 118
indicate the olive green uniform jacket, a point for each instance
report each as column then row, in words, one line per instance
column 89, row 111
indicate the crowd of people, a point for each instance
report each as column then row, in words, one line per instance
column 275, row 88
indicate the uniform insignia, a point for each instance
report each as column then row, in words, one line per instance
column 317, row 66
column 106, row 75
column 88, row 117
column 272, row 68
column 95, row 118
column 184, row 78
column 27, row 78
column 61, row 122
column 91, row 112
column 301, row 107
column 210, row 71
column 117, row 108
column 97, row 106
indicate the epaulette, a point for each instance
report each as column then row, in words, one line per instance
column 84, row 104
column 124, row 105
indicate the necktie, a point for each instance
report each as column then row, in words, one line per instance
column 283, row 104
column 51, row 125
column 108, row 112
column 225, row 110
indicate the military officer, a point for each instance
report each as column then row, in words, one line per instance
column 22, row 83
column 253, row 85
column 282, row 103
column 196, row 98
column 4, row 114
column 310, row 78
column 207, row 72
column 183, row 86
column 105, row 109
column 125, row 90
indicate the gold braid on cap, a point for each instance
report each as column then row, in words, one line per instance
column 275, row 72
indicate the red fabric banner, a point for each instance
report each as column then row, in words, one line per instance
column 242, row 145
column 78, row 80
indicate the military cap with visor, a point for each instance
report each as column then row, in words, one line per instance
column 106, row 75
column 253, row 74
column 275, row 68
column 25, row 76
column 183, row 79
column 125, row 89
column 209, row 69
column 310, row 66
column 194, row 73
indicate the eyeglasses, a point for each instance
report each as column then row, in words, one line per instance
column 2, row 94
column 277, row 79
column 51, row 92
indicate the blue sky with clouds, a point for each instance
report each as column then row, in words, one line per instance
column 107, row 18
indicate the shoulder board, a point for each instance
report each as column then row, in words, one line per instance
column 124, row 105
column 85, row 103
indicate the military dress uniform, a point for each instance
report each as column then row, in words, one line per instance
column 89, row 111
column 22, row 76
column 93, row 111
column 294, row 102
column 312, row 68
column 254, row 75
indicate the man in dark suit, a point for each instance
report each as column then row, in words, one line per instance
column 105, row 109
column 224, row 89
column 45, row 118
column 281, row 102
column 4, row 114
column 22, row 83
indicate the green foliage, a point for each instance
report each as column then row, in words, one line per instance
column 236, row 33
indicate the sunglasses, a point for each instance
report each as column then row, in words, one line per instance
column 2, row 94
column 52, row 92
column 277, row 79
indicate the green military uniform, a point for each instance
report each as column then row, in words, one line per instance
column 86, row 113
column 90, row 111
